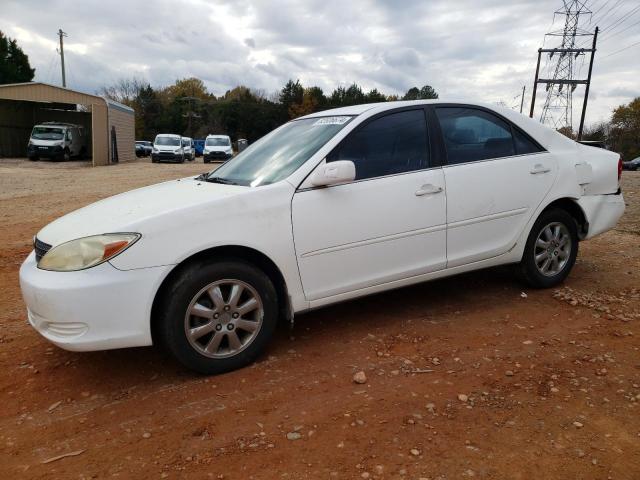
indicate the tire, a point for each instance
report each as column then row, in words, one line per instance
column 189, row 291
column 206, row 161
column 33, row 158
column 66, row 155
column 561, row 250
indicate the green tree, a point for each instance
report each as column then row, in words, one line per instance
column 14, row 64
column 292, row 94
column 427, row 92
column 624, row 135
column 343, row 97
column 375, row 96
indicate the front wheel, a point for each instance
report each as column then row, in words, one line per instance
column 218, row 316
column 551, row 249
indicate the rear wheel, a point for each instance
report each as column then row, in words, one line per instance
column 217, row 317
column 66, row 155
column 551, row 249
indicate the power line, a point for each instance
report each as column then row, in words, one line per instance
column 617, row 5
column 596, row 12
column 622, row 49
column 623, row 30
column 622, row 19
column 612, row 34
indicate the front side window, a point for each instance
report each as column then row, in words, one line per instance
column 471, row 135
column 388, row 145
column 277, row 155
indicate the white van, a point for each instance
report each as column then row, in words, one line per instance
column 217, row 148
column 167, row 147
column 188, row 147
column 57, row 141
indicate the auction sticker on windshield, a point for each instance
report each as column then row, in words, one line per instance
column 332, row 121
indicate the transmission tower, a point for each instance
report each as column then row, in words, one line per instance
column 561, row 66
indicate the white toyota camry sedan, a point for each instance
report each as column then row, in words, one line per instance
column 328, row 207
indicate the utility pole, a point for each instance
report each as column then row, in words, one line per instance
column 586, row 92
column 190, row 114
column 535, row 85
column 522, row 99
column 62, row 34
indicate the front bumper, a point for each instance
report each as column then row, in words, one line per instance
column 44, row 151
column 602, row 212
column 167, row 157
column 217, row 156
column 95, row 309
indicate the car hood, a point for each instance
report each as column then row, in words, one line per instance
column 217, row 149
column 130, row 211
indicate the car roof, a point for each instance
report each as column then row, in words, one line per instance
column 217, row 136
column 168, row 135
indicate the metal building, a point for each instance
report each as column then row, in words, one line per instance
column 110, row 124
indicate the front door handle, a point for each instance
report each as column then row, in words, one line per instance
column 428, row 189
column 539, row 168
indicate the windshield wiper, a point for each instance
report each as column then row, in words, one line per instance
column 221, row 180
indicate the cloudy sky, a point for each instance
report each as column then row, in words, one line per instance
column 467, row 49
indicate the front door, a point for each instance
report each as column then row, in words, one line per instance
column 387, row 225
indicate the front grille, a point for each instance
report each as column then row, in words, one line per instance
column 41, row 248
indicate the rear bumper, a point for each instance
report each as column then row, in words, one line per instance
column 602, row 212
column 95, row 309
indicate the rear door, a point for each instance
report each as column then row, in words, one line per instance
column 496, row 176
column 387, row 225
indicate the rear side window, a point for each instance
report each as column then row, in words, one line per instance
column 388, row 145
column 524, row 144
column 471, row 135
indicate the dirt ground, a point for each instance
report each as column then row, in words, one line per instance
column 474, row 376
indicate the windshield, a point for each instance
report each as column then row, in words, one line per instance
column 168, row 141
column 280, row 153
column 217, row 142
column 47, row 133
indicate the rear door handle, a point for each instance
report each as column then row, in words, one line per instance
column 539, row 168
column 428, row 189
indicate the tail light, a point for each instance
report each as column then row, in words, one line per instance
column 619, row 168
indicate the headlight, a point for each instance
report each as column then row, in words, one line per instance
column 154, row 150
column 86, row 252
column 58, row 144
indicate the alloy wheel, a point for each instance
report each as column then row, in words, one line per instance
column 223, row 318
column 552, row 249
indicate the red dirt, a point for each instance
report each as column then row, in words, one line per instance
column 552, row 378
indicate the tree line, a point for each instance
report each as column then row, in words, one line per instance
column 621, row 134
column 189, row 109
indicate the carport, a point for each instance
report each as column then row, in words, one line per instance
column 109, row 124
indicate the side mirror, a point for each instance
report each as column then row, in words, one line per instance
column 332, row 173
